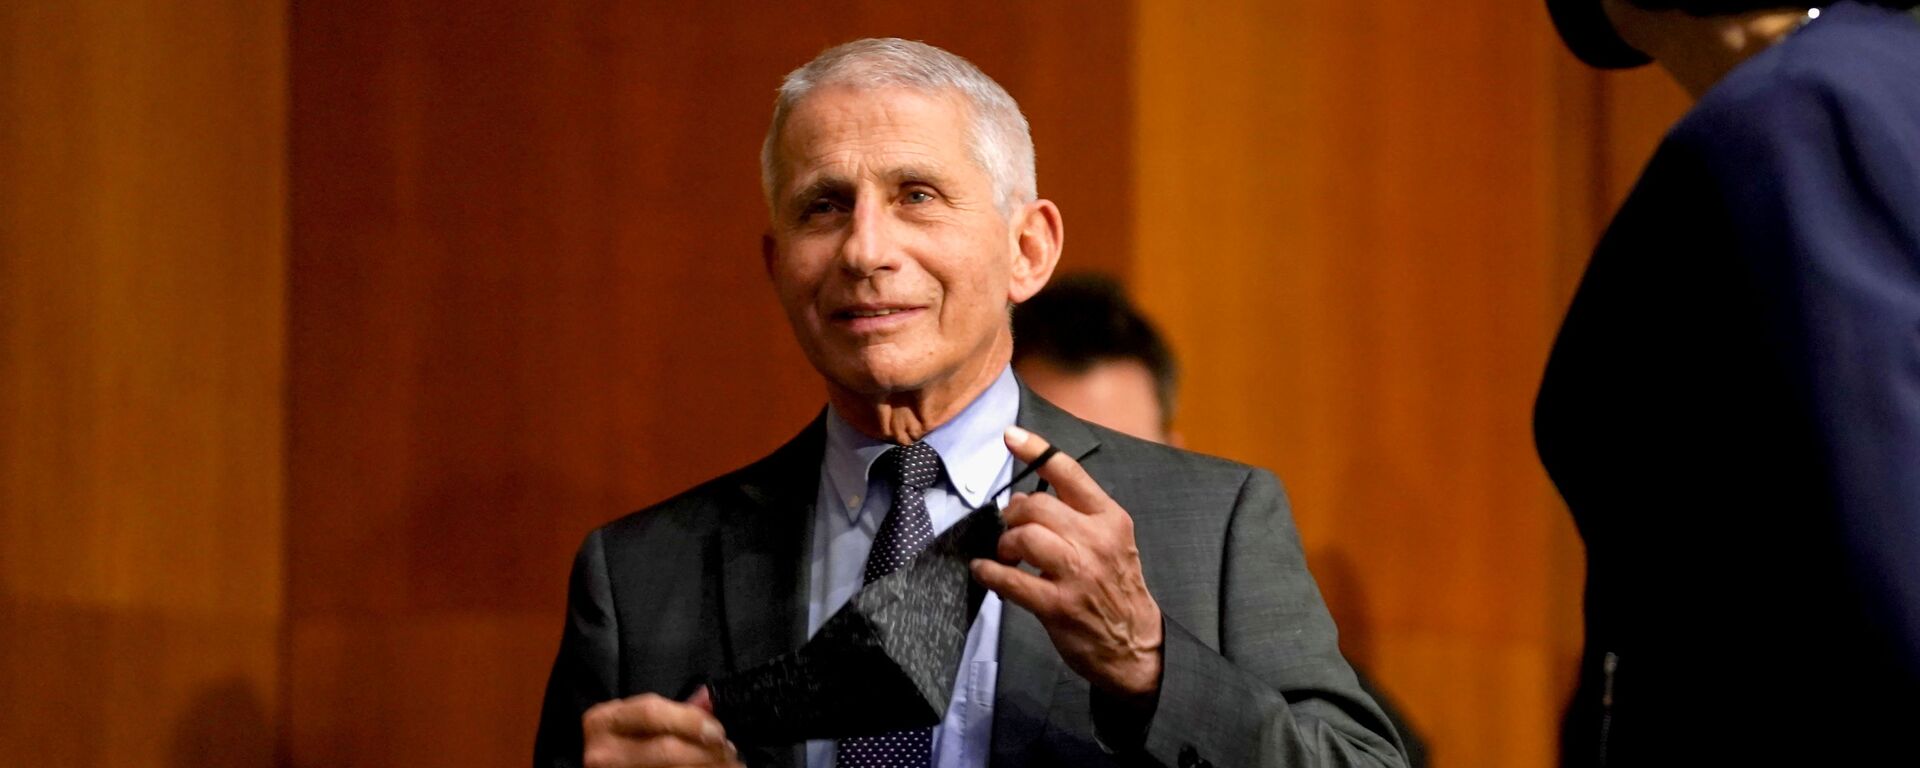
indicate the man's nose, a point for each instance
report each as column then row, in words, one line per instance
column 870, row 246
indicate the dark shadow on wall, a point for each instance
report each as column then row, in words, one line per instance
column 226, row 726
column 1344, row 590
column 1342, row 587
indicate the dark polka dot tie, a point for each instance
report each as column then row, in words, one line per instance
column 910, row 470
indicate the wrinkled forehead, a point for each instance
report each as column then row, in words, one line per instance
column 842, row 125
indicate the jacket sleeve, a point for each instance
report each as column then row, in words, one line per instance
column 1275, row 691
column 586, row 671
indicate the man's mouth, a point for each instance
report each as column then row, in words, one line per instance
column 874, row 318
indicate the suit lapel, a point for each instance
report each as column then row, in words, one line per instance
column 762, row 560
column 1059, row 428
column 1030, row 668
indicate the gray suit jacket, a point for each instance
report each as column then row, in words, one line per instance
column 712, row 581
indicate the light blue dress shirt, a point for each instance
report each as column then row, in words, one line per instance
column 848, row 513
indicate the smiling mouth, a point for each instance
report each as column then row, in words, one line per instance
column 873, row 319
column 861, row 313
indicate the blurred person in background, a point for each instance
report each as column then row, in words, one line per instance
column 1732, row 407
column 1081, row 344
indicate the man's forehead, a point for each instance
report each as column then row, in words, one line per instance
column 894, row 102
column 841, row 124
column 840, row 112
column 903, row 161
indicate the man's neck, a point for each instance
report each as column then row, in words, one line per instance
column 905, row 417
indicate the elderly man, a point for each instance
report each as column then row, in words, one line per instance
column 1161, row 611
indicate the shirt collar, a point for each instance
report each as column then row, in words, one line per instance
column 972, row 450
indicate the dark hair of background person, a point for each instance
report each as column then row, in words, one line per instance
column 1726, row 7
column 1085, row 319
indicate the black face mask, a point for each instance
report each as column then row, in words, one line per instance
column 885, row 661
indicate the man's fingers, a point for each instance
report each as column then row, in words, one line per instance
column 631, row 752
column 1044, row 510
column 672, row 750
column 1021, row 588
column 1043, row 548
column 702, row 699
column 1070, row 480
column 654, row 715
column 652, row 730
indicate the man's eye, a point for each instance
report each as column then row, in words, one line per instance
column 919, row 196
column 817, row 207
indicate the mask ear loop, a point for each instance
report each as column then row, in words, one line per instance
column 1038, row 462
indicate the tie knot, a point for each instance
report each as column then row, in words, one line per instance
column 914, row 466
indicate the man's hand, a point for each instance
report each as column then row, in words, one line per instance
column 1090, row 594
column 652, row 730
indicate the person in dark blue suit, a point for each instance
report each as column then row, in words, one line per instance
column 1732, row 407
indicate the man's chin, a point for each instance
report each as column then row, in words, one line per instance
column 879, row 382
column 879, row 386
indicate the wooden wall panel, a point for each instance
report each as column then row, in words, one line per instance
column 1359, row 223
column 142, row 258
column 526, row 298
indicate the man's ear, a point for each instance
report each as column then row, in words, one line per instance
column 1039, row 234
column 768, row 249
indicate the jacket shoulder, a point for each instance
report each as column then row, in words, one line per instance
column 692, row 511
column 1847, row 67
column 1129, row 466
column 789, row 473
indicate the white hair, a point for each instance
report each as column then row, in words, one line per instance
column 998, row 138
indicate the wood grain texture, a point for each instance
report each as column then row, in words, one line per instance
column 1360, row 223
column 293, row 457
column 142, row 261
column 527, row 298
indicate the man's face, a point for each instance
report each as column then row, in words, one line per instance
column 890, row 258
